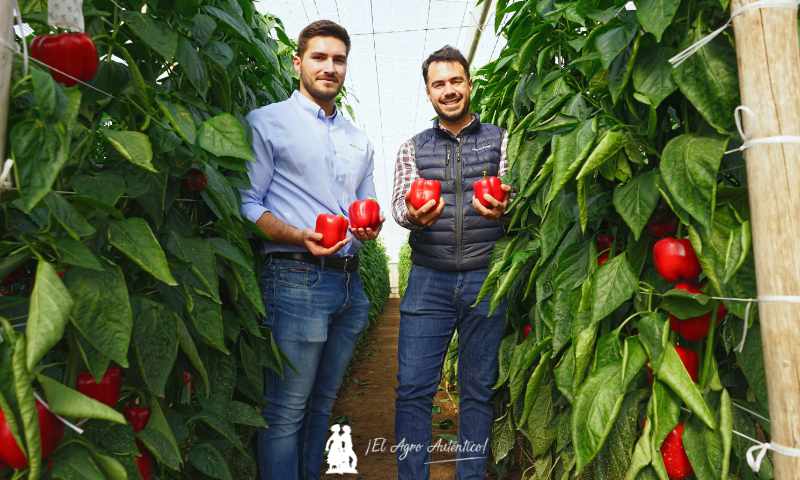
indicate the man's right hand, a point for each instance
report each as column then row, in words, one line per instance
column 311, row 241
column 427, row 214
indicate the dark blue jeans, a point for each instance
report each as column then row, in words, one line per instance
column 435, row 303
column 316, row 316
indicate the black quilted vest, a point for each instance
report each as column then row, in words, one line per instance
column 460, row 239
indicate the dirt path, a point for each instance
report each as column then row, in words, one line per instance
column 367, row 400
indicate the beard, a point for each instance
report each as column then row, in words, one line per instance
column 318, row 93
column 452, row 117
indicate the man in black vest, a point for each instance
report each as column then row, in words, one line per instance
column 451, row 243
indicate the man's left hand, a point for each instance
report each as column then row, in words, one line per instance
column 365, row 234
column 497, row 207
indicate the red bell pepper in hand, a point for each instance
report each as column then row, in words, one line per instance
column 332, row 227
column 107, row 390
column 70, row 53
column 674, row 455
column 422, row 191
column 137, row 417
column 695, row 328
column 675, row 259
column 365, row 214
column 51, row 430
column 490, row 185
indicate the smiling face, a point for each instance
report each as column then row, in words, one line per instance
column 322, row 68
column 449, row 90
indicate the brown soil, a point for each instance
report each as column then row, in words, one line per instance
column 367, row 400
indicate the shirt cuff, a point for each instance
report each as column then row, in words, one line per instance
column 254, row 212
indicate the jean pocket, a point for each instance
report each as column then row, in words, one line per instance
column 297, row 276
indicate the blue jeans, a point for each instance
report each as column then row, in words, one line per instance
column 435, row 303
column 316, row 316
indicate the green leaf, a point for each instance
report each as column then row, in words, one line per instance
column 199, row 255
column 207, row 319
column 570, row 151
column 154, row 34
column 203, row 28
column 75, row 462
column 134, row 238
column 236, row 24
column 689, row 166
column 656, row 15
column 40, row 152
column 112, row 469
column 652, row 73
column 220, row 53
column 613, row 41
column 75, row 253
column 73, row 222
column 159, row 438
column 613, row 284
column 502, row 436
column 155, row 340
column 703, row 446
column 671, row 371
column 189, row 349
column 685, row 305
column 102, row 310
column 208, row 461
column 44, row 91
column 636, row 200
column 181, row 120
column 71, row 403
column 26, row 403
column 49, row 310
column 709, row 80
column 599, row 401
column 220, row 194
column 611, row 143
column 193, row 66
column 103, row 187
column 224, row 136
column 134, row 146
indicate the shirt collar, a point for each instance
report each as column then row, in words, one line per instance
column 476, row 120
column 313, row 108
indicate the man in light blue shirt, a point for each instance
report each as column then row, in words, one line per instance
column 309, row 160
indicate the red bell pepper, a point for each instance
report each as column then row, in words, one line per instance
column 422, row 191
column 51, row 430
column 196, row 181
column 332, row 227
column 674, row 455
column 365, row 214
column 674, row 259
column 602, row 259
column 70, row 53
column 526, row 330
column 604, row 241
column 491, row 186
column 144, row 462
column 695, row 328
column 137, row 417
column 661, row 226
column 690, row 360
column 107, row 390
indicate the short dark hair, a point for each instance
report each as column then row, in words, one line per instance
column 444, row 54
column 321, row 28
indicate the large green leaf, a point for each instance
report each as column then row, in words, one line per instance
column 134, row 146
column 599, row 401
column 160, row 439
column 40, row 152
column 656, row 15
column 570, row 151
column 189, row 349
column 709, row 80
column 75, row 253
column 155, row 339
column 155, row 34
column 636, row 200
column 671, row 371
column 49, row 310
column 224, row 136
column 26, row 402
column 613, row 284
column 220, row 194
column 102, row 310
column 614, row 40
column 181, row 120
column 207, row 319
column 689, row 166
column 652, row 73
column 71, row 403
column 73, row 222
column 134, row 238
column 207, row 460
column 193, row 66
column 75, row 462
column 611, row 143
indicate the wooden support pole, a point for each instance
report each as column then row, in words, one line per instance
column 6, row 60
column 769, row 80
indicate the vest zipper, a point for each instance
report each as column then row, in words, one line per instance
column 459, row 214
column 447, row 163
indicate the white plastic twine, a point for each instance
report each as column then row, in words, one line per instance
column 748, row 142
column 693, row 48
column 756, row 453
column 18, row 19
column 5, row 176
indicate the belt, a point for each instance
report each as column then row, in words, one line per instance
column 346, row 264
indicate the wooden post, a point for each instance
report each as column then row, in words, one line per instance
column 769, row 80
column 6, row 60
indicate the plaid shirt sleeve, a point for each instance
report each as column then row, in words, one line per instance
column 405, row 172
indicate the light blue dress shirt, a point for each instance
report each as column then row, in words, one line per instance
column 307, row 163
